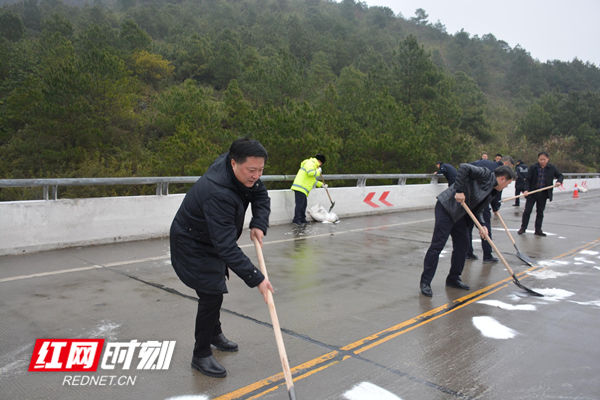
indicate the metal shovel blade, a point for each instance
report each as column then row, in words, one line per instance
column 331, row 206
column 524, row 258
column 525, row 288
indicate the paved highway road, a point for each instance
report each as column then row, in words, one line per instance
column 355, row 325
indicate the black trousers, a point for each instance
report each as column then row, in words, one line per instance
column 539, row 200
column 487, row 222
column 444, row 228
column 300, row 210
column 518, row 191
column 208, row 324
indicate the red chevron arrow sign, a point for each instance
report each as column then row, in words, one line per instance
column 382, row 199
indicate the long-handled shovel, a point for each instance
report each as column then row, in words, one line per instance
column 276, row 328
column 487, row 237
column 523, row 257
column 523, row 194
column 331, row 201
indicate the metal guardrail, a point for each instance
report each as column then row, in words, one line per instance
column 162, row 183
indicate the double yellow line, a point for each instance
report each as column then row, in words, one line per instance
column 274, row 382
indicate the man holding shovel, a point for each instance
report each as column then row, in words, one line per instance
column 476, row 186
column 539, row 175
column 306, row 179
column 204, row 237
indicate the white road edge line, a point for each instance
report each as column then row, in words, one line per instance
column 129, row 262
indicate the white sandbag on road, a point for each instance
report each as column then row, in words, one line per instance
column 320, row 214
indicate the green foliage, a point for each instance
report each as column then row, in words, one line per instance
column 151, row 68
column 162, row 88
column 11, row 26
column 567, row 125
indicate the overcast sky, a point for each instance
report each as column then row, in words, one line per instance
column 547, row 29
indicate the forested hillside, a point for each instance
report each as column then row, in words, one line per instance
column 146, row 88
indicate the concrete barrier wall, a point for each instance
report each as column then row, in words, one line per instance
column 28, row 226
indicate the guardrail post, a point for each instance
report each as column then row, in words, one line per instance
column 162, row 188
column 361, row 182
column 45, row 192
column 402, row 181
column 54, row 192
column 434, row 180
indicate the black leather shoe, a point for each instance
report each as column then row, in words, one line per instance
column 426, row 289
column 471, row 257
column 521, row 231
column 209, row 366
column 490, row 259
column 457, row 283
column 539, row 233
column 223, row 344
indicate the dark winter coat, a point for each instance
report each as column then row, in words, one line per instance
column 550, row 172
column 522, row 171
column 496, row 201
column 477, row 184
column 209, row 222
column 449, row 172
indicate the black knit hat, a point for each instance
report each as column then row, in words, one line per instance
column 321, row 158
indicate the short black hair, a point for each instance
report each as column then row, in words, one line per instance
column 498, row 155
column 505, row 171
column 320, row 157
column 242, row 148
column 543, row 153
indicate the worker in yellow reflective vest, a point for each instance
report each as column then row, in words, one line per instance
column 306, row 178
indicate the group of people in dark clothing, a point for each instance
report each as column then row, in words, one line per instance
column 210, row 220
column 479, row 185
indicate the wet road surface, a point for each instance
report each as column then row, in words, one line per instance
column 353, row 320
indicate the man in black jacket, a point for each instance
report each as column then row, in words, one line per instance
column 447, row 170
column 487, row 219
column 204, row 236
column 521, row 171
column 476, row 186
column 540, row 174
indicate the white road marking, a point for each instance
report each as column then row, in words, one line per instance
column 15, row 361
column 369, row 391
column 142, row 260
column 491, row 328
column 506, row 306
column 554, row 294
column 584, row 260
column 546, row 274
column 589, row 252
column 105, row 329
column 595, row 303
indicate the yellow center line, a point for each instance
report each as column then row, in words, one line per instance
column 327, row 360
